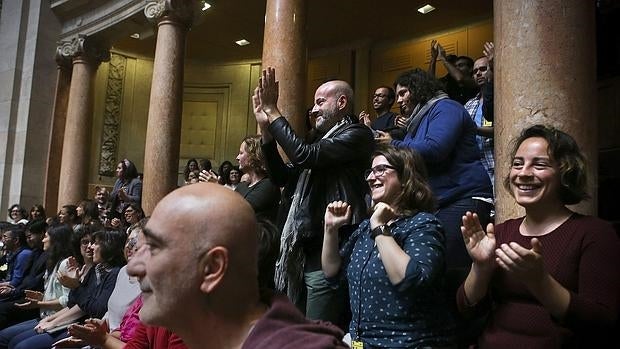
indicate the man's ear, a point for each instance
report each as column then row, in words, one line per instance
column 342, row 102
column 213, row 265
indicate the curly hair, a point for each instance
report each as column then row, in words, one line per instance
column 571, row 163
column 420, row 83
column 255, row 154
column 416, row 193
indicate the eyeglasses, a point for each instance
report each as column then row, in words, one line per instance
column 378, row 170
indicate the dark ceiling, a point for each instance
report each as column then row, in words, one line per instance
column 330, row 23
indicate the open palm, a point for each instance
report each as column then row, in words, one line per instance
column 480, row 244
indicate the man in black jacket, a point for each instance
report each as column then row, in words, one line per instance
column 329, row 169
column 33, row 278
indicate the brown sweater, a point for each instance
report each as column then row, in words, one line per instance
column 583, row 255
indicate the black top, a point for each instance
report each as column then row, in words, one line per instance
column 264, row 197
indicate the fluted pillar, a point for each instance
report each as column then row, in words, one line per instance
column 545, row 73
column 57, row 133
column 285, row 48
column 86, row 55
column 163, row 135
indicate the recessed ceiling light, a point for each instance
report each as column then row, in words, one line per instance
column 426, row 9
column 135, row 35
column 206, row 6
column 242, row 42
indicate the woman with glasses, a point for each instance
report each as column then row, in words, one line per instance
column 17, row 215
column 394, row 262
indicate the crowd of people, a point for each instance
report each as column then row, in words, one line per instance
column 367, row 231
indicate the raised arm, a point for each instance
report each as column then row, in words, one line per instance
column 337, row 214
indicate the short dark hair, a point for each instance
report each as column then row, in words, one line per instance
column 469, row 61
column 391, row 94
column 571, row 163
column 112, row 246
column 129, row 169
column 22, row 210
column 18, row 232
column 37, row 226
column 206, row 164
column 416, row 193
column 420, row 83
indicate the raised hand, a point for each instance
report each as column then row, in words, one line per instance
column 401, row 121
column 382, row 214
column 268, row 90
column 208, row 176
column 364, row 118
column 489, row 52
column 525, row 264
column 480, row 244
column 70, row 279
column 434, row 50
column 337, row 214
column 441, row 52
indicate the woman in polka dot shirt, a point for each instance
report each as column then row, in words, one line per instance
column 394, row 262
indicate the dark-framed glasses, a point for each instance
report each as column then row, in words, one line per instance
column 378, row 170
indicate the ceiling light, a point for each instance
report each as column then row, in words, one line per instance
column 206, row 6
column 135, row 35
column 242, row 42
column 426, row 9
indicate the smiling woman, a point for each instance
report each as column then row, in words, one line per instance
column 394, row 262
column 554, row 265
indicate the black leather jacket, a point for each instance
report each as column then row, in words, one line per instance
column 337, row 165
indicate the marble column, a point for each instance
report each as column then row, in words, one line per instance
column 545, row 72
column 73, row 179
column 57, row 133
column 285, row 49
column 163, row 135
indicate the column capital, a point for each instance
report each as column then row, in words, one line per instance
column 186, row 12
column 81, row 47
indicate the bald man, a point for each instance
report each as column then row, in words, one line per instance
column 330, row 168
column 199, row 277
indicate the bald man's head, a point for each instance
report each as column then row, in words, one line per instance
column 200, row 244
column 332, row 101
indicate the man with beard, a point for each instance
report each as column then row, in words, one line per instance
column 326, row 170
column 441, row 130
column 199, row 277
column 478, row 108
column 382, row 102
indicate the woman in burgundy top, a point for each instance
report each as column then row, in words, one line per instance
column 549, row 278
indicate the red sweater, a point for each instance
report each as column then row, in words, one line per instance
column 583, row 255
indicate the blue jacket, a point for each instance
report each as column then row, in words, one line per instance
column 446, row 139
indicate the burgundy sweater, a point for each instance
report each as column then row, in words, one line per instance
column 283, row 326
column 583, row 255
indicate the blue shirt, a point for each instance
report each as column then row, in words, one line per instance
column 18, row 262
column 411, row 313
column 446, row 140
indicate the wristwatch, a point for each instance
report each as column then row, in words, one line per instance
column 383, row 229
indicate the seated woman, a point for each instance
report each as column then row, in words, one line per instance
column 119, row 323
column 57, row 244
column 259, row 191
column 549, row 278
column 127, row 188
column 394, row 262
column 90, row 299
